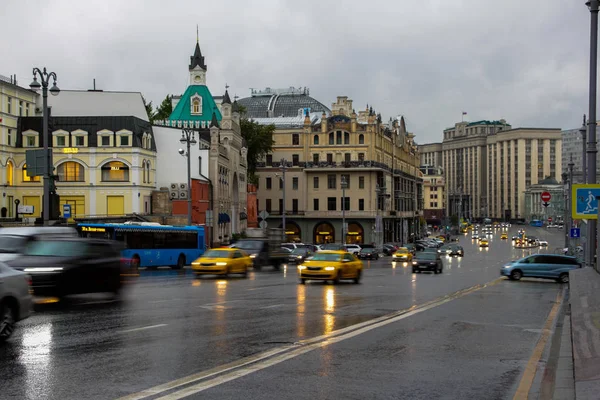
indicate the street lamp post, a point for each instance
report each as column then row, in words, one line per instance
column 187, row 138
column 344, row 185
column 591, row 144
column 44, row 77
column 583, row 131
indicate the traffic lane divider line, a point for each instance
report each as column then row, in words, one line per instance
column 531, row 367
column 143, row 328
column 265, row 359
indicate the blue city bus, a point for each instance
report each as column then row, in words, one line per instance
column 536, row 222
column 150, row 245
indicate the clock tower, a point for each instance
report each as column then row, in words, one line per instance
column 197, row 67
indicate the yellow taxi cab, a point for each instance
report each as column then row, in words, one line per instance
column 504, row 235
column 484, row 243
column 222, row 261
column 331, row 265
column 402, row 254
column 442, row 238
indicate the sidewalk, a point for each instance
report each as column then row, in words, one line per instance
column 585, row 330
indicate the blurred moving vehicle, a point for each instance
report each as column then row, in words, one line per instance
column 504, row 236
column 263, row 249
column 452, row 249
column 369, row 253
column 331, row 265
column 542, row 242
column 223, row 261
column 62, row 266
column 402, row 254
column 14, row 240
column 15, row 299
column 475, row 236
column 352, row 248
column 300, row 254
column 484, row 243
column 550, row 266
column 427, row 261
column 149, row 244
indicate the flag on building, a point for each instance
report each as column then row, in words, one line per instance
column 464, row 113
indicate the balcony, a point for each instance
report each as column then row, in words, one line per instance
column 342, row 165
column 287, row 213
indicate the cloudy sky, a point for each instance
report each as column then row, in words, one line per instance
column 427, row 60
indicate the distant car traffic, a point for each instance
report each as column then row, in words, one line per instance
column 402, row 254
column 484, row 243
column 300, row 254
column 15, row 299
column 504, row 236
column 452, row 250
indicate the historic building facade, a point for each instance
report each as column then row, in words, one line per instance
column 346, row 164
column 219, row 157
column 434, row 194
column 488, row 166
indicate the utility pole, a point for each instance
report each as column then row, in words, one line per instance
column 591, row 144
column 344, row 184
column 283, row 169
column 583, row 132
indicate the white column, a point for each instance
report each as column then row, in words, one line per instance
column 92, row 179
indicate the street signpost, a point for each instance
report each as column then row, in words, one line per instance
column 66, row 211
column 263, row 224
column 263, row 214
column 575, row 233
column 584, row 201
column 546, row 196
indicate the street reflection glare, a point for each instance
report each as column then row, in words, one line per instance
column 37, row 342
column 285, row 271
column 221, row 288
column 300, row 308
column 329, row 308
column 196, row 282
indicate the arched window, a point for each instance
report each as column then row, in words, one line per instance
column 115, row 171
column 316, row 139
column 144, row 166
column 71, row 171
column 144, row 141
column 196, row 107
column 10, row 170
column 27, row 178
column 331, row 138
column 361, row 139
column 346, row 138
column 148, row 172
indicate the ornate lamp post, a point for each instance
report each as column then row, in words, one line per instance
column 187, row 138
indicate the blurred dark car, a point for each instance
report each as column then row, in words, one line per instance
column 389, row 249
column 414, row 247
column 298, row 255
column 63, row 266
column 369, row 253
column 427, row 261
column 452, row 250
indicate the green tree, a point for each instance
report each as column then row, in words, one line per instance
column 149, row 110
column 165, row 109
column 259, row 142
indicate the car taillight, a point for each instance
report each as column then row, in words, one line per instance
column 29, row 280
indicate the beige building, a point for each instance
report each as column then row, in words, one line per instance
column 434, row 197
column 431, row 154
column 488, row 166
column 378, row 162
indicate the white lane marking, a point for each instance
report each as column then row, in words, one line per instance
column 273, row 306
column 143, row 328
column 259, row 288
column 161, row 301
column 305, row 347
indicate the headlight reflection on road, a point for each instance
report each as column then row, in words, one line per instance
column 329, row 309
column 300, row 308
column 37, row 357
column 285, row 270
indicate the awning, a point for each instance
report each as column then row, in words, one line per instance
column 224, row 218
column 243, row 215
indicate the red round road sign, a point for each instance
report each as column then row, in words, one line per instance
column 546, row 196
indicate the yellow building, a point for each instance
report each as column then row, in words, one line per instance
column 103, row 153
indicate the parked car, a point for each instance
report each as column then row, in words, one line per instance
column 15, row 299
column 550, row 266
column 427, row 261
column 369, row 253
column 292, row 246
column 62, row 266
column 332, row 247
column 389, row 249
column 542, row 243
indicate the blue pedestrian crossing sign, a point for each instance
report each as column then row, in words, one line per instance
column 66, row 211
column 584, row 201
column 575, row 233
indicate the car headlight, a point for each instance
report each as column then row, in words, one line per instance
column 507, row 266
column 221, row 264
column 301, row 267
column 252, row 255
column 43, row 269
column 329, row 268
column 299, row 257
column 415, row 263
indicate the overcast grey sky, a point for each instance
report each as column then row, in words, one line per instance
column 428, row 60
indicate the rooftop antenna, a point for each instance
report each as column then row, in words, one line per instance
column 226, row 86
column 197, row 34
column 235, row 97
column 94, row 84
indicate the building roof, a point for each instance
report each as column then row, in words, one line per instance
column 183, row 110
column 89, row 124
column 96, row 103
column 290, row 122
column 197, row 60
column 548, row 181
column 275, row 103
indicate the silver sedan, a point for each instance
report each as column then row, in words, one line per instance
column 15, row 299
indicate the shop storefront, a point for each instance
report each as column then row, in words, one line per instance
column 355, row 234
column 324, row 233
column 293, row 233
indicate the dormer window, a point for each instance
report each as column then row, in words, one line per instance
column 196, row 105
column 60, row 138
column 124, row 138
column 106, row 138
column 79, row 138
column 31, row 138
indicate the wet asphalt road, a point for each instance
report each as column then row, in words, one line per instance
column 170, row 325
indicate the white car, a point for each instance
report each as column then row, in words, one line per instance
column 475, row 236
column 353, row 248
column 542, row 243
column 15, row 299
